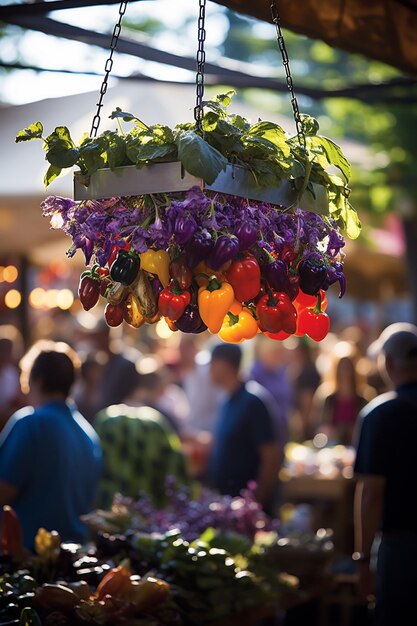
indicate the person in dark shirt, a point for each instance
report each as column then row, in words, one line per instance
column 387, row 481
column 50, row 456
column 245, row 444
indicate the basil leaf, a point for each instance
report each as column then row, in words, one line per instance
column 115, row 149
column 329, row 153
column 91, row 155
column 61, row 150
column 199, row 158
column 127, row 117
column 52, row 173
column 351, row 221
column 272, row 133
column 310, row 125
column 139, row 153
column 34, row 131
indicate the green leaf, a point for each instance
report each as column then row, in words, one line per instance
column 139, row 153
column 329, row 153
column 352, row 222
column 310, row 125
column 127, row 117
column 199, row 158
column 225, row 99
column 52, row 173
column 240, row 122
column 220, row 102
column 61, row 150
column 91, row 155
column 210, row 121
column 161, row 133
column 272, row 133
column 115, row 149
column 34, row 131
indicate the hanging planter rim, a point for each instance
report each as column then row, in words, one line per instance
column 171, row 177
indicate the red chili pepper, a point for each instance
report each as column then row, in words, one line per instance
column 173, row 301
column 89, row 288
column 313, row 322
column 245, row 277
column 11, row 535
column 276, row 312
column 114, row 314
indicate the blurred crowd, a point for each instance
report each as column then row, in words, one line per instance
column 165, row 406
column 312, row 387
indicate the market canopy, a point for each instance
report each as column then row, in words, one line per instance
column 386, row 31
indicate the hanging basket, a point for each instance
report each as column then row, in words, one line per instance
column 172, row 177
column 218, row 224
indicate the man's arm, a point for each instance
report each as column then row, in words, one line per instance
column 271, row 458
column 369, row 502
column 8, row 493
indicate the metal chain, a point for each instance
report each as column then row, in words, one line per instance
column 201, row 59
column 108, row 68
column 286, row 63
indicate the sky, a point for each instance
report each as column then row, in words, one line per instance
column 37, row 49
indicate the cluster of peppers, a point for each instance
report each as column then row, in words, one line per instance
column 234, row 289
column 119, row 597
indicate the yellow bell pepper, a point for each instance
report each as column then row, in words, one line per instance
column 156, row 262
column 214, row 301
column 133, row 315
column 237, row 327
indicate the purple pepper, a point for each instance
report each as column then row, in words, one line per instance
column 247, row 232
column 198, row 248
column 225, row 249
column 184, row 229
column 335, row 274
column 190, row 321
column 313, row 273
column 157, row 287
column 276, row 274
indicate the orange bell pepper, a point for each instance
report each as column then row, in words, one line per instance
column 236, row 328
column 202, row 272
column 214, row 301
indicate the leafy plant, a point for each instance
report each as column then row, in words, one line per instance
column 263, row 148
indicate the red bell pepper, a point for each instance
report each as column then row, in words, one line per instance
column 313, row 322
column 276, row 312
column 173, row 301
column 89, row 288
column 245, row 277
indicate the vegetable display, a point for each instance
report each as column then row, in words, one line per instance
column 143, row 579
column 193, row 255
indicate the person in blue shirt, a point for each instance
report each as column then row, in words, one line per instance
column 50, row 457
column 386, row 472
column 245, row 447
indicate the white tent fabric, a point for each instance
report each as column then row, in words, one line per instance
column 22, row 166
